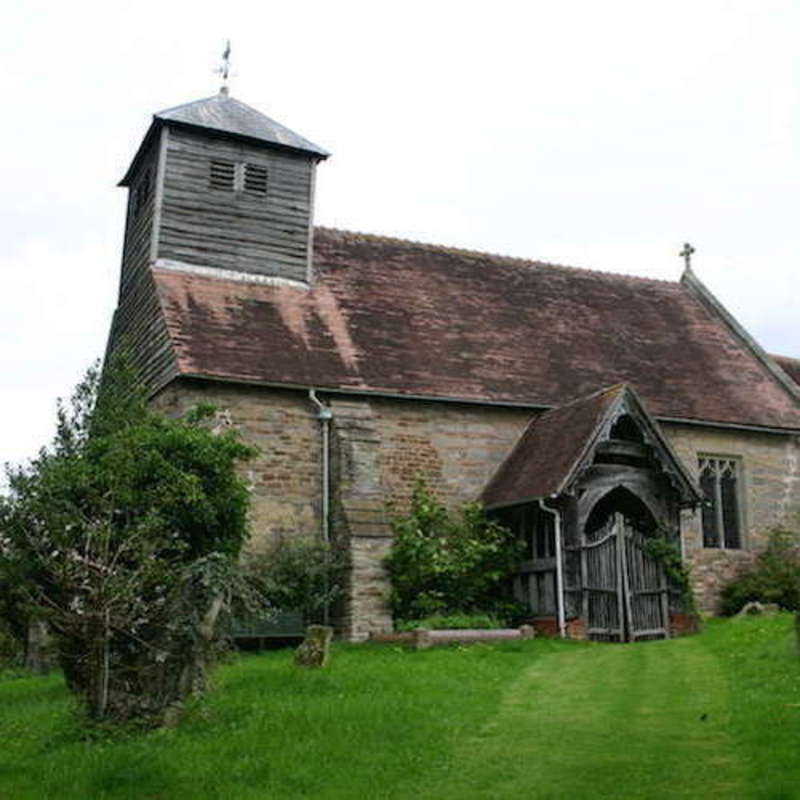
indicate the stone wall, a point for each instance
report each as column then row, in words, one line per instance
column 455, row 447
column 379, row 446
column 286, row 475
column 769, row 494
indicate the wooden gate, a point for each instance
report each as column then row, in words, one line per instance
column 625, row 594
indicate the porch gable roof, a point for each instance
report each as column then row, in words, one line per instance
column 557, row 445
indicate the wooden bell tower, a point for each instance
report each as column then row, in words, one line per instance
column 219, row 188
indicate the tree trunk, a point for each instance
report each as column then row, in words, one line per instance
column 194, row 679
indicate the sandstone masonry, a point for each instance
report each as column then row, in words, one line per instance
column 379, row 446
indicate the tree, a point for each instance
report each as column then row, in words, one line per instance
column 124, row 535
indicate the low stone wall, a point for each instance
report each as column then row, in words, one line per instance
column 422, row 639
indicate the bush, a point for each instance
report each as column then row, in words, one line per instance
column 302, row 574
column 123, row 536
column 443, row 564
column 10, row 650
column 774, row 578
column 458, row 622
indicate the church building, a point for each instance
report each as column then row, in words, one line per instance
column 589, row 411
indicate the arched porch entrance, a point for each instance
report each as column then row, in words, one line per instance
column 626, row 592
column 588, row 487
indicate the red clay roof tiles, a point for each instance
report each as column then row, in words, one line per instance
column 548, row 450
column 791, row 366
column 405, row 318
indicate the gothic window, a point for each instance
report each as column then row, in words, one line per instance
column 719, row 480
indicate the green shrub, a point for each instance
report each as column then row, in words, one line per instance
column 668, row 552
column 10, row 648
column 301, row 574
column 123, row 537
column 443, row 564
column 457, row 622
column 774, row 578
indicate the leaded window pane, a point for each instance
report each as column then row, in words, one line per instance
column 708, row 485
column 730, row 511
column 719, row 478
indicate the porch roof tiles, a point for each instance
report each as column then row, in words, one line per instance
column 548, row 450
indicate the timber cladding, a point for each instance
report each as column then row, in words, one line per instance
column 136, row 250
column 206, row 223
column 140, row 331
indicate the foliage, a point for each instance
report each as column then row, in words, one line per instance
column 666, row 551
column 452, row 622
column 124, row 536
column 774, row 578
column 10, row 650
column 302, row 574
column 443, row 563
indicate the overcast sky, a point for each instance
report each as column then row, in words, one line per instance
column 593, row 134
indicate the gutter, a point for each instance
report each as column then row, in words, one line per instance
column 468, row 401
column 562, row 625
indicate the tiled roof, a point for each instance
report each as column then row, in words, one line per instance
column 791, row 366
column 226, row 114
column 548, row 450
column 556, row 446
column 399, row 317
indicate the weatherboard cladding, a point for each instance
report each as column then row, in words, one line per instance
column 139, row 330
column 404, row 318
column 136, row 249
column 235, row 230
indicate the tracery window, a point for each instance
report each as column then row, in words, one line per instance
column 720, row 482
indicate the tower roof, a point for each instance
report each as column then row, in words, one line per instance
column 229, row 115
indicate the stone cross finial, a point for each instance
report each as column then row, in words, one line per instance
column 686, row 254
column 224, row 69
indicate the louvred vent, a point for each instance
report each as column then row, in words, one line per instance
column 222, row 175
column 255, row 179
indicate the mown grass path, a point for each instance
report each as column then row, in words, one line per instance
column 644, row 721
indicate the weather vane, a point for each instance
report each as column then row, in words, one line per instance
column 224, row 69
column 686, row 254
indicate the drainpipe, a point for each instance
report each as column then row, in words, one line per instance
column 324, row 415
column 562, row 626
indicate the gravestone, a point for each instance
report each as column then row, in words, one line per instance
column 315, row 649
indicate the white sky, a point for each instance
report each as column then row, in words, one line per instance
column 593, row 134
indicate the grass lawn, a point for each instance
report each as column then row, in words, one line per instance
column 710, row 716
